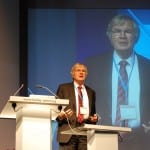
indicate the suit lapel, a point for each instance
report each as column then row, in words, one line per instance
column 89, row 98
column 72, row 94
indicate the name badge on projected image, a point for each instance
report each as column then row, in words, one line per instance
column 128, row 112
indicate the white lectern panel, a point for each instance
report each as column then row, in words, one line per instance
column 103, row 141
column 33, row 120
column 33, row 128
column 105, row 137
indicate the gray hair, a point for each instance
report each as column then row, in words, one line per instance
column 121, row 19
column 76, row 64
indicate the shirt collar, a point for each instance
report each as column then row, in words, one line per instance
column 76, row 85
column 117, row 58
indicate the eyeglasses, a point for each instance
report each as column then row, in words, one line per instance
column 80, row 70
column 118, row 32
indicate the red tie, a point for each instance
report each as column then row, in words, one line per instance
column 80, row 116
column 122, row 92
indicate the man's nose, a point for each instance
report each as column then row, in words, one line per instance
column 122, row 33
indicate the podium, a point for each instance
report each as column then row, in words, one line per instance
column 33, row 120
column 99, row 136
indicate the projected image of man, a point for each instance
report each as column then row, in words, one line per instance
column 121, row 77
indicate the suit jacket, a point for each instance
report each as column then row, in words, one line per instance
column 66, row 91
column 100, row 79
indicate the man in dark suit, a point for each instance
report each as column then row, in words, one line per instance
column 123, row 33
column 68, row 119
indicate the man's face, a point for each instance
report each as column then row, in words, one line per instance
column 123, row 37
column 79, row 73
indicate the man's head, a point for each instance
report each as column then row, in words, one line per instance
column 123, row 33
column 79, row 73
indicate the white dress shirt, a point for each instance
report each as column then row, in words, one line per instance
column 84, row 98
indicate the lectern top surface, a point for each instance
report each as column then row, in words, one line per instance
column 40, row 100
column 107, row 128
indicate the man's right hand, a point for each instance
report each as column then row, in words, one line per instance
column 65, row 114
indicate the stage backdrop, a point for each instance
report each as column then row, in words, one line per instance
column 60, row 37
column 9, row 66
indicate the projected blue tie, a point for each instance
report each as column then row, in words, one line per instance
column 122, row 92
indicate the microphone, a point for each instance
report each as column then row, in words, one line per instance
column 30, row 91
column 47, row 89
column 18, row 90
column 60, row 108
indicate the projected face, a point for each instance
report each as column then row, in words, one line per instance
column 123, row 33
column 123, row 37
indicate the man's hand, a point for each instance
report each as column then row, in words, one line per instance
column 93, row 118
column 65, row 114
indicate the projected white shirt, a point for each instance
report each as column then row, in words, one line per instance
column 132, row 110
